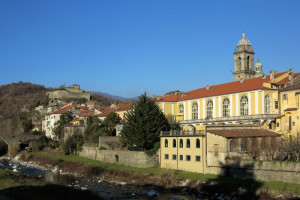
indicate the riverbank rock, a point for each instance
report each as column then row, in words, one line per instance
column 152, row 193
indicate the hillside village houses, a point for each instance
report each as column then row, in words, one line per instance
column 217, row 122
column 80, row 114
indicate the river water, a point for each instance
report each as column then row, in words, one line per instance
column 104, row 189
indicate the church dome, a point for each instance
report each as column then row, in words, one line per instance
column 258, row 63
column 244, row 40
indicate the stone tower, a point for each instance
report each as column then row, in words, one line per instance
column 243, row 60
column 258, row 69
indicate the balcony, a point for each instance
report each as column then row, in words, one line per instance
column 182, row 133
column 246, row 118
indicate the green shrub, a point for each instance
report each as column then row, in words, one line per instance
column 153, row 151
column 73, row 145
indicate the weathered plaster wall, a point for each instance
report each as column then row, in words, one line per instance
column 129, row 158
column 261, row 170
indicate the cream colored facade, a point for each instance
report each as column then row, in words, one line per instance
column 260, row 108
column 289, row 122
column 183, row 153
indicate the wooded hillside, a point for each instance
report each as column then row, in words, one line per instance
column 15, row 98
column 18, row 100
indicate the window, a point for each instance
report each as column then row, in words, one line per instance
column 293, row 123
column 198, row 158
column 174, row 157
column 244, row 144
column 267, row 104
column 216, row 149
column 277, row 124
column 233, row 145
column 244, row 105
column 276, row 105
column 181, row 109
column 174, row 143
column 166, row 143
column 188, row 158
column 209, row 109
column 181, row 157
column 166, row 156
column 290, row 122
column 195, row 111
column 197, row 143
column 180, row 143
column 188, row 143
column 285, row 97
column 226, row 107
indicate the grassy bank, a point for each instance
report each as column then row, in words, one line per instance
column 167, row 175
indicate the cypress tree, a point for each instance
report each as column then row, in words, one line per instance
column 144, row 123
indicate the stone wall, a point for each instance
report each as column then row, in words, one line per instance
column 69, row 93
column 260, row 170
column 129, row 158
column 73, row 130
column 108, row 142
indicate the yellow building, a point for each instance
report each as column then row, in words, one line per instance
column 253, row 105
column 289, row 123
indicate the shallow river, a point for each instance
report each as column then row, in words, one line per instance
column 104, row 189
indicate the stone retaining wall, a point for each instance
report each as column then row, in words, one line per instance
column 260, row 170
column 129, row 158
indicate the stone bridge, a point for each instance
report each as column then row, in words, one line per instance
column 11, row 140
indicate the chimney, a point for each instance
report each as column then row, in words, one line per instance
column 291, row 76
column 242, row 80
column 207, row 87
column 272, row 75
column 264, row 76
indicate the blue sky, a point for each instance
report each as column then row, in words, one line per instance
column 126, row 47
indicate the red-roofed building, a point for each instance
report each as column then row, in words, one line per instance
column 249, row 107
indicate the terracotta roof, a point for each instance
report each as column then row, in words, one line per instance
column 234, row 133
column 105, row 112
column 87, row 114
column 291, row 109
column 75, row 120
column 64, row 110
column 285, row 80
column 222, row 89
column 121, row 107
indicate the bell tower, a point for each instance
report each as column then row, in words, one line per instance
column 243, row 60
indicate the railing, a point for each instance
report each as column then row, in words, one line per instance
column 181, row 133
column 233, row 118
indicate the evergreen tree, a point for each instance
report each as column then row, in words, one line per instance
column 144, row 123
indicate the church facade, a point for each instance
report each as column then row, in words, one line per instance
column 210, row 122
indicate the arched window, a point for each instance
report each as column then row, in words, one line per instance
column 195, row 111
column 174, row 143
column 197, row 143
column 240, row 63
column 244, row 105
column 267, row 104
column 209, row 109
column 248, row 63
column 181, row 143
column 166, row 143
column 226, row 107
column 188, row 143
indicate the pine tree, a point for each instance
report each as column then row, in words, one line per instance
column 144, row 123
